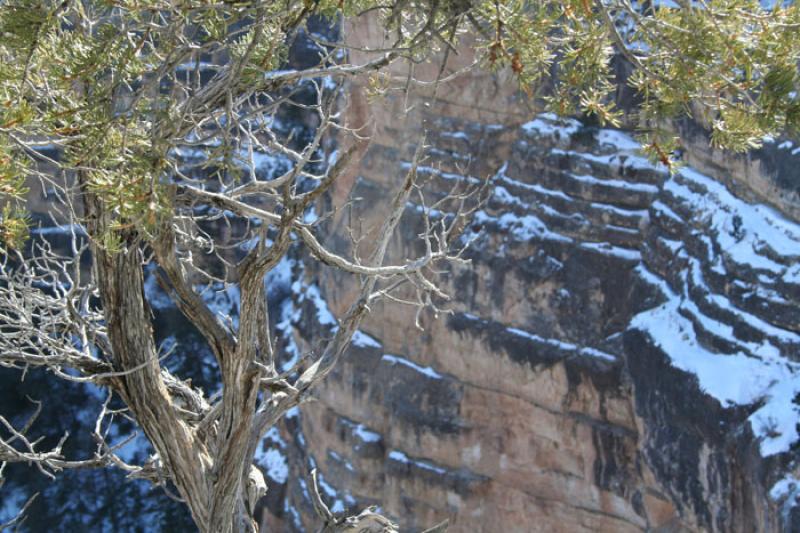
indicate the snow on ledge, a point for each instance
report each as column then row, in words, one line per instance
column 732, row 379
column 362, row 340
column 424, row 370
column 361, row 431
column 400, row 457
column 550, row 125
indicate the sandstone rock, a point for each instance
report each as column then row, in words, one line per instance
column 551, row 400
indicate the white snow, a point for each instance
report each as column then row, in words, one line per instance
column 365, row 435
column 455, row 135
column 324, row 315
column 673, row 245
column 275, row 462
column 338, row 458
column 361, row 431
column 222, row 301
column 280, row 275
column 362, row 340
column 63, row 229
column 617, row 184
column 757, row 373
column 787, row 486
column 594, row 352
column 252, row 242
column 275, row 436
column 562, row 345
column 425, row 370
column 433, row 213
column 400, row 457
column 675, row 335
column 549, row 125
column 325, row 486
column 521, row 228
column 623, row 229
column 501, row 176
column 617, row 139
column 296, row 521
column 742, row 230
column 265, row 165
column 189, row 155
column 445, row 154
column 552, row 342
column 733, row 379
column 277, row 279
column 422, row 169
column 629, row 213
column 618, row 252
column 310, row 216
column 615, row 159
column 338, row 505
column 792, row 274
column 287, row 315
column 502, row 195
column 660, row 207
column 724, row 303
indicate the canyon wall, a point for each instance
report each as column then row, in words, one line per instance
column 622, row 352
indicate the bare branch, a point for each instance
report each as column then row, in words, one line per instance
column 20, row 518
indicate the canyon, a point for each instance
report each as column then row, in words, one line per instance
column 622, row 352
column 620, row 355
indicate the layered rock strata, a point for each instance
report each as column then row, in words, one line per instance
column 621, row 356
column 622, row 353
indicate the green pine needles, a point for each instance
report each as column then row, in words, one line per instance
column 113, row 84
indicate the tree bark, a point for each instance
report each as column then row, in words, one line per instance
column 120, row 283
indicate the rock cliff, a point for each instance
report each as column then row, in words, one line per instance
column 622, row 353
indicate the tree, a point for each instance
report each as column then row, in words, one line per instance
column 143, row 120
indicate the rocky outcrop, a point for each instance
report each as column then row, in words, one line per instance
column 622, row 353
column 727, row 332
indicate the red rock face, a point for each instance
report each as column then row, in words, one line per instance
column 539, row 404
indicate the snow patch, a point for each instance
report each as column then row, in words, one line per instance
column 223, row 301
column 63, row 229
column 743, row 231
column 400, row 457
column 733, row 379
column 521, row 228
column 562, row 345
column 617, row 139
column 618, row 252
column 594, row 352
column 362, row 340
column 455, row 135
column 425, row 370
column 550, row 125
column 312, row 292
column 616, row 159
column 276, row 464
column 617, row 184
column 361, row 431
column 787, row 486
